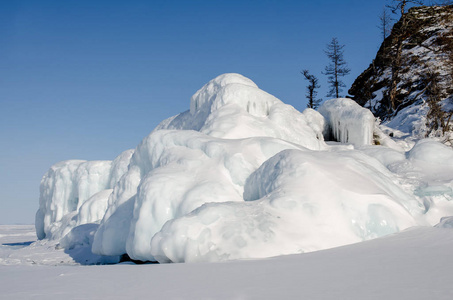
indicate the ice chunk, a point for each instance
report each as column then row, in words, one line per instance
column 348, row 122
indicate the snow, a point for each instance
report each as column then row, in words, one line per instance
column 348, row 122
column 414, row 264
column 241, row 175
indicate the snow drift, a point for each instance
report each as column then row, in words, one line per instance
column 240, row 175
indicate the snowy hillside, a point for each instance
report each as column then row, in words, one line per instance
column 243, row 175
column 427, row 48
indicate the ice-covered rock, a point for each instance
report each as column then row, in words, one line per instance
column 200, row 156
column 348, row 122
column 297, row 201
column 243, row 175
column 68, row 185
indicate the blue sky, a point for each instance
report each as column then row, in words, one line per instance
column 89, row 79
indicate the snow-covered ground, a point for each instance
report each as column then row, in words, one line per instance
column 413, row 264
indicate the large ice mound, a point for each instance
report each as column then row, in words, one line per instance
column 240, row 175
column 297, row 201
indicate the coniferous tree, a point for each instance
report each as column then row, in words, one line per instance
column 336, row 69
column 311, row 90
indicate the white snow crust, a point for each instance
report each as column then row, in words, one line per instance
column 243, row 175
column 414, row 264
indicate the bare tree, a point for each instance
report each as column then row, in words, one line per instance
column 396, row 61
column 311, row 90
column 385, row 23
column 336, row 69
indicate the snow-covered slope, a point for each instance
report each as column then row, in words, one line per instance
column 243, row 175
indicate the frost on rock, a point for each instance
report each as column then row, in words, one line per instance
column 348, row 122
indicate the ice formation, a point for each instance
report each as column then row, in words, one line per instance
column 348, row 122
column 68, row 185
column 243, row 175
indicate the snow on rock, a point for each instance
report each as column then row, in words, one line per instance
column 297, row 201
column 348, row 122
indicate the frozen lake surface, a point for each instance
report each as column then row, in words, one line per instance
column 413, row 264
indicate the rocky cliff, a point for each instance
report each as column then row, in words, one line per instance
column 427, row 48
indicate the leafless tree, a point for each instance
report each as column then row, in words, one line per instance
column 385, row 23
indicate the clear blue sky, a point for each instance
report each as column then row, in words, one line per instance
column 89, row 79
